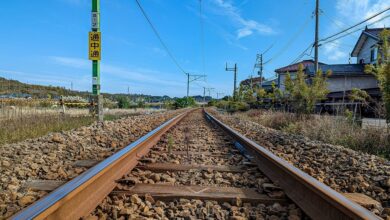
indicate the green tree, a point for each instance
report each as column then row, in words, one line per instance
column 184, row 102
column 304, row 92
column 381, row 70
column 123, row 102
column 246, row 94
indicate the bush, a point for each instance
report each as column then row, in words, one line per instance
column 123, row 102
column 231, row 106
column 184, row 102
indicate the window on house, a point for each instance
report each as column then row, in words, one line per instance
column 374, row 54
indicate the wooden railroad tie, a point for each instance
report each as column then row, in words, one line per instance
column 220, row 194
column 161, row 167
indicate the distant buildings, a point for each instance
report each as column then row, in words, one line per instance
column 344, row 77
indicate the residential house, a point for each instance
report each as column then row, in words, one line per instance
column 345, row 77
column 366, row 48
column 291, row 69
column 258, row 82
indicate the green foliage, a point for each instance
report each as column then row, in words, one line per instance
column 232, row 106
column 212, row 102
column 141, row 104
column 382, row 70
column 304, row 93
column 276, row 93
column 123, row 102
column 246, row 94
column 184, row 102
column 349, row 115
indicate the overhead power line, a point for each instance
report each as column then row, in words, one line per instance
column 202, row 46
column 303, row 53
column 159, row 37
column 359, row 29
column 290, row 41
column 353, row 26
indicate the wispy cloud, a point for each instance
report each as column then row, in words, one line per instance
column 246, row 27
column 356, row 10
column 137, row 74
column 350, row 12
column 334, row 53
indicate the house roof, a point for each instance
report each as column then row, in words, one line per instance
column 256, row 80
column 294, row 67
column 339, row 69
column 367, row 33
column 269, row 82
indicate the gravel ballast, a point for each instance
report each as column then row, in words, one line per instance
column 52, row 157
column 343, row 169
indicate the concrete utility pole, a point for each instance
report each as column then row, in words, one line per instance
column 235, row 79
column 317, row 14
column 259, row 64
column 95, row 56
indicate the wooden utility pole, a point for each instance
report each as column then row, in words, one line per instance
column 235, row 79
column 317, row 14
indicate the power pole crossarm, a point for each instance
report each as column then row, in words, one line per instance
column 235, row 79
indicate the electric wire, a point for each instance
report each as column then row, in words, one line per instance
column 290, row 41
column 202, row 44
column 359, row 29
column 353, row 26
column 159, row 37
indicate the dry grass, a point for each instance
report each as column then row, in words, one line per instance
column 21, row 123
column 329, row 129
column 15, row 130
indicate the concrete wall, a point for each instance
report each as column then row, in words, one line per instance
column 282, row 79
column 365, row 52
column 337, row 84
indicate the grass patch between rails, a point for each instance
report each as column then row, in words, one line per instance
column 20, row 129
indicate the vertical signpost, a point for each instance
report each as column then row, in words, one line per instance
column 95, row 55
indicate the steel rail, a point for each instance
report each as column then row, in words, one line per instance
column 316, row 199
column 80, row 196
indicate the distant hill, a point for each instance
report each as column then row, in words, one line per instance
column 19, row 89
column 36, row 91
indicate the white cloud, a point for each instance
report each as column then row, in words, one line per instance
column 354, row 11
column 350, row 12
column 246, row 26
column 138, row 74
column 334, row 53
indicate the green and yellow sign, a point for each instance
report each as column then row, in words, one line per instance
column 95, row 45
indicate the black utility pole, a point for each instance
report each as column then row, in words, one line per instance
column 235, row 79
column 317, row 14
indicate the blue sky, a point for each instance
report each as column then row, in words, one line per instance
column 45, row 42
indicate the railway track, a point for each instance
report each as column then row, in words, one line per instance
column 194, row 166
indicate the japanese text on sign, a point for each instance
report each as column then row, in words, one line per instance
column 94, row 45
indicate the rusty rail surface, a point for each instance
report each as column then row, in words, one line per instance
column 316, row 199
column 80, row 196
